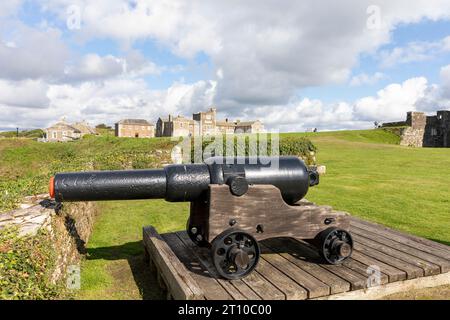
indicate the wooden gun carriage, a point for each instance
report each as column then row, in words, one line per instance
column 235, row 202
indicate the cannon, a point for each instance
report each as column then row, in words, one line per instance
column 234, row 203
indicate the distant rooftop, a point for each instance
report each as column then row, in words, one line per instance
column 140, row 122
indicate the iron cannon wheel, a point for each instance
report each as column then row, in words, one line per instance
column 336, row 245
column 235, row 253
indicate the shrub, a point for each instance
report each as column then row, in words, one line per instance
column 26, row 264
column 243, row 145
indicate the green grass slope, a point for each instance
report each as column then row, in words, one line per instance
column 371, row 177
column 368, row 175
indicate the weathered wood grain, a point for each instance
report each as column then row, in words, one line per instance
column 443, row 249
column 393, row 273
column 436, row 249
column 200, row 273
column 443, row 264
column 264, row 205
column 292, row 269
column 308, row 260
column 427, row 267
column 178, row 280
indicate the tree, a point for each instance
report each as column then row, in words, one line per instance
column 102, row 126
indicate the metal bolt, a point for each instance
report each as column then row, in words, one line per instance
column 232, row 222
column 199, row 237
column 194, row 230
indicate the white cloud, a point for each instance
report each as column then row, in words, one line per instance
column 92, row 66
column 392, row 102
column 414, row 52
column 366, row 79
column 29, row 53
column 265, row 50
column 97, row 101
column 24, row 94
column 9, row 7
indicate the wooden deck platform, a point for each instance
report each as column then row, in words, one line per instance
column 384, row 261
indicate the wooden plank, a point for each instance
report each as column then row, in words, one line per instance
column 364, row 269
column 411, row 270
column 249, row 286
column 379, row 292
column 354, row 279
column 234, row 288
column 211, row 288
column 262, row 287
column 290, row 289
column 179, row 280
column 306, row 259
column 243, row 290
column 443, row 264
column 315, row 287
column 374, row 228
column 204, row 256
column 393, row 274
column 392, row 233
column 428, row 267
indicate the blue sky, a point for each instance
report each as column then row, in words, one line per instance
column 292, row 66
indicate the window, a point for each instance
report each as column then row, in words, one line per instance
column 54, row 134
column 433, row 132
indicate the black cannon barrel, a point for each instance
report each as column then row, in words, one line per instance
column 178, row 183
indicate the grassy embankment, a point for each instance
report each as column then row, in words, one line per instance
column 368, row 175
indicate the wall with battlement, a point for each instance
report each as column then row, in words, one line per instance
column 424, row 131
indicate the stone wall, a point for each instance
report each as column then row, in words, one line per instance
column 412, row 137
column 69, row 227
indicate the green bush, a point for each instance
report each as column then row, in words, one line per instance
column 26, row 264
column 247, row 145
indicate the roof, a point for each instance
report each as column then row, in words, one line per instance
column 84, row 127
column 61, row 125
column 181, row 118
column 140, row 122
column 225, row 123
column 246, row 123
column 177, row 118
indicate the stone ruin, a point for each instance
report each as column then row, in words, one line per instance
column 420, row 130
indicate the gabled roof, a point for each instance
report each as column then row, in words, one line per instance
column 140, row 122
column 246, row 123
column 61, row 125
column 84, row 127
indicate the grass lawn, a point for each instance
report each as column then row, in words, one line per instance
column 368, row 175
column 114, row 267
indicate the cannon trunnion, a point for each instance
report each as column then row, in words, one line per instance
column 235, row 202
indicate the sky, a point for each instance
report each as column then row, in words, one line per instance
column 295, row 65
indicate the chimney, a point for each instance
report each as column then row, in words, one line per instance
column 170, row 118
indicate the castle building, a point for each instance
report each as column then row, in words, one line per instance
column 178, row 126
column 134, row 128
column 204, row 123
column 420, row 130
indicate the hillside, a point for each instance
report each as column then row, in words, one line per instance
column 26, row 165
column 368, row 175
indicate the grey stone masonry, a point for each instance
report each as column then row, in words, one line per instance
column 424, row 131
